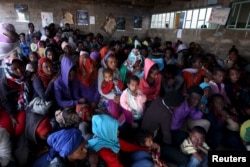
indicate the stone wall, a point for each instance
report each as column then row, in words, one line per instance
column 218, row 43
column 100, row 11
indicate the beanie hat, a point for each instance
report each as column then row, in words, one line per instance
column 204, row 85
column 173, row 98
column 44, row 127
column 8, row 40
column 245, row 131
column 181, row 47
column 33, row 47
column 94, row 55
column 195, row 89
column 5, row 147
column 64, row 44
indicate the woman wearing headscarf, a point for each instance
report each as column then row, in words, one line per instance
column 66, row 86
column 132, row 66
column 110, row 100
column 107, row 144
column 67, row 148
column 87, row 75
column 43, row 83
column 14, row 95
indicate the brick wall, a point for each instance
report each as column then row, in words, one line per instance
column 100, row 11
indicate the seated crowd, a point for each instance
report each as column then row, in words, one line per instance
column 68, row 99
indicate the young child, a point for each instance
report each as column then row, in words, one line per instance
column 110, row 83
column 204, row 99
column 217, row 84
column 150, row 84
column 133, row 100
column 194, row 74
column 32, row 65
column 223, row 125
column 237, row 92
column 145, row 139
column 196, row 147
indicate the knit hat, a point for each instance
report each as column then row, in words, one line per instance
column 5, row 147
column 33, row 47
column 64, row 142
column 245, row 131
column 173, row 98
column 94, row 55
column 181, row 47
column 64, row 44
column 44, row 127
column 204, row 85
column 8, row 40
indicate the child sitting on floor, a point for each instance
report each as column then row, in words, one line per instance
column 110, row 83
column 196, row 147
column 133, row 100
column 145, row 139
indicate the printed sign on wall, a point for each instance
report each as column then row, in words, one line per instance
column 219, row 15
column 47, row 18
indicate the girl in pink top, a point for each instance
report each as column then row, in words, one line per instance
column 133, row 100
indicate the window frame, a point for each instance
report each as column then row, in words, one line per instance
column 233, row 12
column 171, row 22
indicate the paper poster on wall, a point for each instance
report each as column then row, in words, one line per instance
column 47, row 18
column 179, row 20
column 91, row 19
column 179, row 33
column 82, row 17
column 22, row 13
column 120, row 23
column 68, row 17
column 138, row 22
column 219, row 16
column 109, row 25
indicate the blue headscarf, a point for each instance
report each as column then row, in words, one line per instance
column 105, row 129
column 159, row 62
column 204, row 85
column 64, row 142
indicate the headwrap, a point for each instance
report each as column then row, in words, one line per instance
column 181, row 47
column 45, row 78
column 104, row 51
column 64, row 142
column 87, row 73
column 8, row 40
column 17, row 83
column 94, row 55
column 133, row 57
column 5, row 147
column 105, row 130
column 105, row 59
